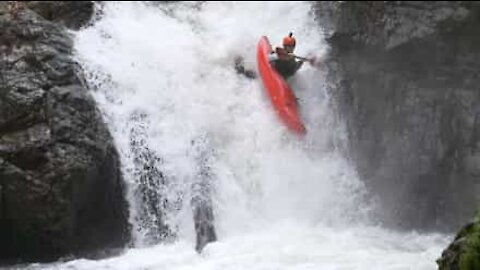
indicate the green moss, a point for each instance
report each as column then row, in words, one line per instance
column 470, row 257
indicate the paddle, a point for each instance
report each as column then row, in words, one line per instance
column 313, row 61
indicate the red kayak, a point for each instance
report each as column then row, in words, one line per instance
column 280, row 93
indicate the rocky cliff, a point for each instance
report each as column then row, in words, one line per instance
column 61, row 189
column 405, row 79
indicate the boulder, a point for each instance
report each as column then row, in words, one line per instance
column 61, row 188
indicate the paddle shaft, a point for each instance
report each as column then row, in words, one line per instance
column 304, row 58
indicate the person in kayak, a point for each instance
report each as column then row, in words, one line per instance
column 283, row 59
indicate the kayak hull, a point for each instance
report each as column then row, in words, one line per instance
column 280, row 93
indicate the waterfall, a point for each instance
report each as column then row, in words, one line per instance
column 188, row 126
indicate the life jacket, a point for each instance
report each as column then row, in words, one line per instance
column 282, row 54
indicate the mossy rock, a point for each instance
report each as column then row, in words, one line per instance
column 470, row 257
column 464, row 252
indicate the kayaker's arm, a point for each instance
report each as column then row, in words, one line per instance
column 313, row 61
column 303, row 58
column 272, row 57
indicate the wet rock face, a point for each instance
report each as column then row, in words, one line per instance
column 73, row 15
column 405, row 77
column 157, row 195
column 61, row 190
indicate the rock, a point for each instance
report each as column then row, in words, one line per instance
column 202, row 189
column 72, row 14
column 404, row 76
column 61, row 189
column 158, row 196
column 152, row 187
column 464, row 252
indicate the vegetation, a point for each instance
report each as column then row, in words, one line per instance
column 470, row 257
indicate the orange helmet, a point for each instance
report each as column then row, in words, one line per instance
column 289, row 40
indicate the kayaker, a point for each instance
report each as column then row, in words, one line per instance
column 289, row 43
column 284, row 60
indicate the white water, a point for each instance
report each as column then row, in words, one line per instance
column 280, row 202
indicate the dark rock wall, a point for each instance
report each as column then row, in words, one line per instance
column 406, row 81
column 61, row 189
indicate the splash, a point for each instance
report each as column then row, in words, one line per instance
column 164, row 78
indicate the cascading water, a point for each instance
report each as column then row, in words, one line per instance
column 183, row 118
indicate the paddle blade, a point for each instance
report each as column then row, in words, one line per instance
column 314, row 61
